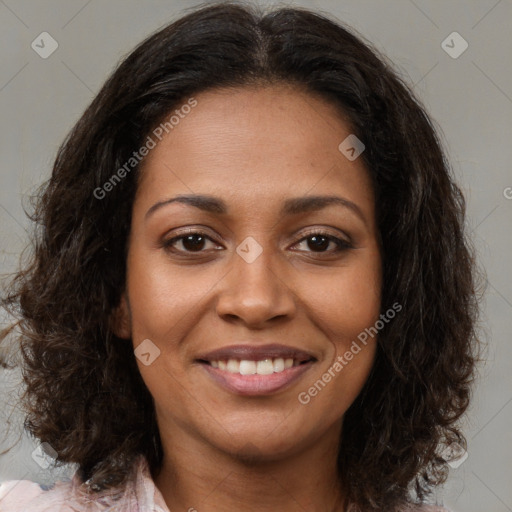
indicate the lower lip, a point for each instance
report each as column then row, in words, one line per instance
column 256, row 384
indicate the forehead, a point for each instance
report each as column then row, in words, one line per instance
column 256, row 145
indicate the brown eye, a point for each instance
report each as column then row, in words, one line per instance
column 188, row 243
column 193, row 242
column 320, row 242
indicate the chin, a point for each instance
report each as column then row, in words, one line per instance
column 257, row 445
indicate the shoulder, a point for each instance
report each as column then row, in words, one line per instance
column 24, row 496
column 63, row 496
column 138, row 493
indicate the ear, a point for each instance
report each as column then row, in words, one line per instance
column 120, row 319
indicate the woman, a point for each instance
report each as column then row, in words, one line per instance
column 251, row 287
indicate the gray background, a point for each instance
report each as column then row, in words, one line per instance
column 469, row 97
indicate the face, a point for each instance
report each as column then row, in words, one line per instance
column 254, row 270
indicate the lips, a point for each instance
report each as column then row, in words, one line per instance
column 256, row 369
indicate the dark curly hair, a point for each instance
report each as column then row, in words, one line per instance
column 84, row 394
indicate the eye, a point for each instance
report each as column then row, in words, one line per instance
column 320, row 241
column 196, row 242
column 189, row 242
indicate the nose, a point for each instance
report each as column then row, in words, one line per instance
column 255, row 293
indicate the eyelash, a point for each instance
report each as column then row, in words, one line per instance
column 341, row 245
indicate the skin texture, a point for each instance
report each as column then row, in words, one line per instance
column 254, row 147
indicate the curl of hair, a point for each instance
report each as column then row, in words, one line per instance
column 84, row 394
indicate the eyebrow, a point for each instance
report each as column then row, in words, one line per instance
column 293, row 206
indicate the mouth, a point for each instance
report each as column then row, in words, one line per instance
column 252, row 367
column 256, row 370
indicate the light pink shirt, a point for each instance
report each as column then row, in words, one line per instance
column 139, row 495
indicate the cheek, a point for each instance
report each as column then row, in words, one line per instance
column 162, row 297
column 345, row 305
column 347, row 301
column 344, row 308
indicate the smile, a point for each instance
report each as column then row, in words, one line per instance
column 248, row 367
column 262, row 377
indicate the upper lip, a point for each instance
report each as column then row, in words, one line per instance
column 253, row 352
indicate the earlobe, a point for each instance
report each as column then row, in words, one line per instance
column 120, row 319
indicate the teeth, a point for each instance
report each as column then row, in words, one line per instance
column 265, row 367
column 247, row 367
column 233, row 366
column 278, row 364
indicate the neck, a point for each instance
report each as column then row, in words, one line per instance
column 197, row 475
